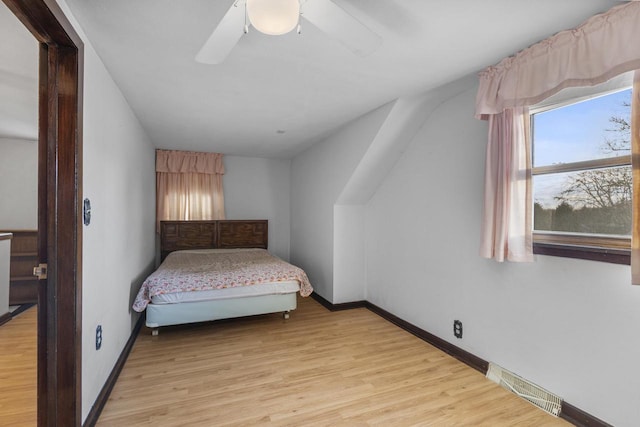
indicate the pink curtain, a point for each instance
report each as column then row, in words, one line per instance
column 599, row 49
column 635, row 166
column 188, row 186
column 506, row 223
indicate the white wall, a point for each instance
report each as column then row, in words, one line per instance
column 318, row 176
column 118, row 245
column 349, row 272
column 333, row 181
column 257, row 188
column 18, row 184
column 571, row 326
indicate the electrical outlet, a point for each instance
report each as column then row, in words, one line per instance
column 457, row 328
column 98, row 337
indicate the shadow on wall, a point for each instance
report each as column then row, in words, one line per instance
column 135, row 287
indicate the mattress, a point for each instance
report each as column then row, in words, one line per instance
column 274, row 288
column 205, row 275
column 204, row 311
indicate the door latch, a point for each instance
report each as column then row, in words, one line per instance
column 40, row 271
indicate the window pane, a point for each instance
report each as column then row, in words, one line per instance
column 596, row 128
column 594, row 201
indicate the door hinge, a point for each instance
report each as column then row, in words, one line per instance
column 40, row 271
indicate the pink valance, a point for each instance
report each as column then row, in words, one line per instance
column 602, row 47
column 189, row 162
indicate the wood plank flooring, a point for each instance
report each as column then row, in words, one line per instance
column 18, row 370
column 349, row 368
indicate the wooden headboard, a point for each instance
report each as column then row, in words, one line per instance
column 218, row 234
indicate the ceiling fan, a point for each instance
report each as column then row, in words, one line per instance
column 282, row 16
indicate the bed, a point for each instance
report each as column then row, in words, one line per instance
column 213, row 270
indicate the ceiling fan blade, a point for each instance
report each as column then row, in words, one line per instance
column 340, row 25
column 224, row 37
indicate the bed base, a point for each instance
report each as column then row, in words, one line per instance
column 203, row 311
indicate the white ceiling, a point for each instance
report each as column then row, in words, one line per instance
column 276, row 95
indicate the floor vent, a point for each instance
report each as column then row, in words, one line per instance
column 540, row 397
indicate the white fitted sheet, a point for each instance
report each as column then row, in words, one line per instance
column 204, row 311
column 273, row 288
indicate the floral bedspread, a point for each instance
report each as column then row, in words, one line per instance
column 185, row 271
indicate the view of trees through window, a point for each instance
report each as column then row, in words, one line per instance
column 582, row 174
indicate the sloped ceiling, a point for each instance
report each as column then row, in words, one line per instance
column 275, row 95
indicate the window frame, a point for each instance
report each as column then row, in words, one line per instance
column 595, row 247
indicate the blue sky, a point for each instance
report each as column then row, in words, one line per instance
column 576, row 132
column 571, row 134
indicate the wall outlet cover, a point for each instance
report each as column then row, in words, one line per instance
column 457, row 328
column 98, row 337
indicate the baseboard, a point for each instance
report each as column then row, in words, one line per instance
column 22, row 309
column 462, row 355
column 5, row 318
column 568, row 412
column 338, row 307
column 578, row 417
column 103, row 396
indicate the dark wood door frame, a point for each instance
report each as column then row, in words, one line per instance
column 59, row 210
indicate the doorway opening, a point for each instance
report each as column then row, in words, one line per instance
column 59, row 243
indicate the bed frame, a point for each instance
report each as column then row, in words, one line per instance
column 219, row 234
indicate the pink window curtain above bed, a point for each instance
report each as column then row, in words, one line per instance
column 188, row 186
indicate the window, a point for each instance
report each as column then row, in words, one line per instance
column 582, row 178
column 188, row 186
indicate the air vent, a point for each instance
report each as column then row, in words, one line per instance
column 540, row 397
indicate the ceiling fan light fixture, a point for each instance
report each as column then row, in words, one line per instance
column 273, row 17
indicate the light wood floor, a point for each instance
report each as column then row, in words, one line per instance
column 18, row 370
column 349, row 368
